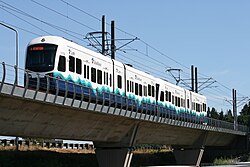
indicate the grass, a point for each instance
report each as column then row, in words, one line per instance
column 224, row 161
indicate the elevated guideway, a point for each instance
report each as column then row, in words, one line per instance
column 113, row 129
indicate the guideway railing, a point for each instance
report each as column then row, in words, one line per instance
column 49, row 85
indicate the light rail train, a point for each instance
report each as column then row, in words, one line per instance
column 97, row 75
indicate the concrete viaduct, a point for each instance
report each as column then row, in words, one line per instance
column 114, row 130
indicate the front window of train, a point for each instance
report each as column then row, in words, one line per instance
column 41, row 57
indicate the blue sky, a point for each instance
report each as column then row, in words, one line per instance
column 213, row 35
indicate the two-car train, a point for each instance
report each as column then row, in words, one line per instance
column 99, row 74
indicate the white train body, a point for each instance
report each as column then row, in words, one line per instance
column 56, row 56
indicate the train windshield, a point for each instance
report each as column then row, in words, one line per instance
column 41, row 57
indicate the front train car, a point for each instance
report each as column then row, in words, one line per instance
column 41, row 59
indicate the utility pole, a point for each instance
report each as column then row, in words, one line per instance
column 196, row 80
column 234, row 109
column 113, row 40
column 192, row 78
column 103, row 35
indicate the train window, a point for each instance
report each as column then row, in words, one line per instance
column 197, row 107
column 204, row 107
column 133, row 90
column 131, row 86
column 153, row 91
column 78, row 66
column 140, row 89
column 166, row 95
column 119, row 81
column 85, row 71
column 136, row 89
column 145, row 90
column 128, row 86
column 107, row 80
column 62, row 64
column 149, row 90
column 173, row 100
column 93, row 74
column 105, row 75
column 179, row 102
column 162, row 96
column 99, row 76
column 193, row 106
column 169, row 96
column 188, row 103
column 71, row 64
column 110, row 80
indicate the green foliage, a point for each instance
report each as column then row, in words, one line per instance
column 244, row 116
column 223, row 161
column 229, row 116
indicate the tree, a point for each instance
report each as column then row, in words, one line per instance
column 244, row 117
column 214, row 114
column 221, row 115
column 229, row 116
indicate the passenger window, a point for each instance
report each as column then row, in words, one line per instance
column 133, row 87
column 145, row 90
column 179, row 102
column 153, row 91
column 110, row 80
column 78, row 66
column 169, row 96
column 99, row 76
column 85, row 71
column 119, row 81
column 140, row 89
column 162, row 96
column 166, row 95
column 149, row 90
column 62, row 64
column 71, row 64
column 128, row 86
column 107, row 80
column 93, row 74
column 136, row 89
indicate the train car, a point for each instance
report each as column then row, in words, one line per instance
column 179, row 102
column 140, row 89
column 68, row 61
column 172, row 98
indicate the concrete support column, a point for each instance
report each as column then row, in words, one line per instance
column 114, row 157
column 188, row 156
column 116, row 154
column 191, row 155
